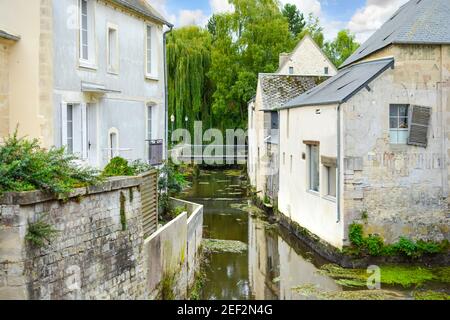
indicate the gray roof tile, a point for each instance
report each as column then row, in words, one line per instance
column 342, row 86
column 277, row 89
column 144, row 8
column 416, row 22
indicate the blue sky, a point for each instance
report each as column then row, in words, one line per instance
column 362, row 17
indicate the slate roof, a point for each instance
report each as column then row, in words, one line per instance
column 277, row 89
column 8, row 36
column 342, row 86
column 144, row 8
column 416, row 22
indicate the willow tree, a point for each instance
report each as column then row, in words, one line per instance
column 189, row 61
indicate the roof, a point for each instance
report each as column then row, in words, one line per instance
column 416, row 22
column 342, row 86
column 299, row 44
column 8, row 36
column 277, row 89
column 144, row 8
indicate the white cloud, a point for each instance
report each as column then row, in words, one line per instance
column 220, row 6
column 161, row 7
column 192, row 17
column 368, row 19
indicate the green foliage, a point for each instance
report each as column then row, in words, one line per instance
column 431, row 295
column 123, row 215
column 118, row 167
column 295, row 19
column 314, row 29
column 140, row 167
column 39, row 233
column 374, row 245
column 356, row 235
column 25, row 166
column 341, row 48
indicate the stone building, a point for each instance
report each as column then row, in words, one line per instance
column 371, row 143
column 299, row 71
column 84, row 74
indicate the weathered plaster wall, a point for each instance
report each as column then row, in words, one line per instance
column 315, row 211
column 403, row 189
column 307, row 59
column 4, row 89
column 92, row 257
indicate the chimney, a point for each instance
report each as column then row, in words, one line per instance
column 283, row 58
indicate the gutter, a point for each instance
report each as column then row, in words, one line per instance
column 339, row 170
column 166, row 91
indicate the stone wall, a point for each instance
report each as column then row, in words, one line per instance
column 93, row 255
column 173, row 254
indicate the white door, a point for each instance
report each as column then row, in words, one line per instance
column 92, row 141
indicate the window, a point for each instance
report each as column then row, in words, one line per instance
column 313, row 164
column 331, row 181
column 326, row 70
column 284, row 158
column 287, row 124
column 291, row 70
column 398, row 124
column 113, row 49
column 69, row 129
column 87, row 36
column 113, row 143
column 150, row 56
column 291, row 163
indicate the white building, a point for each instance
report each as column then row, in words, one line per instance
column 299, row 71
column 96, row 80
column 370, row 145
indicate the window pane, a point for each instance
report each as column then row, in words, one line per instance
column 393, row 123
column 403, row 123
column 149, row 49
column 331, row 181
column 393, row 111
column 69, row 128
column 403, row 111
column 149, row 123
column 314, row 168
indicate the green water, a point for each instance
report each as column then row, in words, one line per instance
column 275, row 262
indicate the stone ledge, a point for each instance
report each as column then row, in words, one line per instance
column 37, row 196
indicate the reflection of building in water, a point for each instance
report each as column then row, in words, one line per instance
column 264, row 261
column 277, row 265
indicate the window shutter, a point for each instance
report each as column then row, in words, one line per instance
column 63, row 124
column 418, row 126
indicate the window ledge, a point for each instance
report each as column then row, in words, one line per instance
column 398, row 147
column 314, row 193
column 330, row 198
column 86, row 65
column 151, row 77
column 112, row 72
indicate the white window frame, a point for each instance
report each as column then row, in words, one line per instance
column 397, row 130
column 311, row 186
column 91, row 61
column 112, row 66
column 153, row 73
column 329, row 183
column 113, row 152
column 79, row 143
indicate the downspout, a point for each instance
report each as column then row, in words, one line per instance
column 338, row 162
column 166, row 90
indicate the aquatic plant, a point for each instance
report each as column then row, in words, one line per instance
column 222, row 246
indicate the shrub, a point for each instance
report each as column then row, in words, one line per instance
column 356, row 235
column 40, row 232
column 25, row 166
column 171, row 179
column 118, row 167
column 406, row 247
column 375, row 245
column 140, row 167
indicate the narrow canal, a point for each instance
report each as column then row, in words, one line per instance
column 274, row 264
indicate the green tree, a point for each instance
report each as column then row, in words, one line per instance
column 314, row 29
column 189, row 61
column 342, row 47
column 295, row 19
column 245, row 43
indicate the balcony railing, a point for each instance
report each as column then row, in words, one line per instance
column 155, row 152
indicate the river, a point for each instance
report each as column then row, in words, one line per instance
column 275, row 262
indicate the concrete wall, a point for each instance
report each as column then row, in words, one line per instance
column 402, row 188
column 315, row 211
column 308, row 59
column 174, row 252
column 4, row 89
column 92, row 257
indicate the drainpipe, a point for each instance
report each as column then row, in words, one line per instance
column 166, row 91
column 338, row 161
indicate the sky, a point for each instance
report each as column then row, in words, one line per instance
column 362, row 17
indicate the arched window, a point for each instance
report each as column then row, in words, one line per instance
column 113, row 143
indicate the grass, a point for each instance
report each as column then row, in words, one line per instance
column 40, row 233
column 390, row 275
column 431, row 295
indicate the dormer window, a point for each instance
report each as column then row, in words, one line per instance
column 291, row 70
